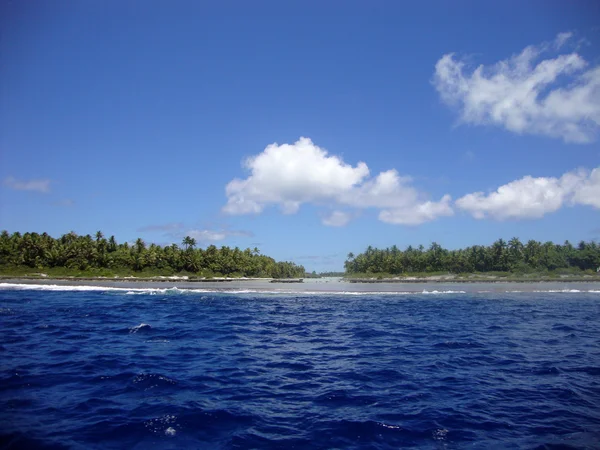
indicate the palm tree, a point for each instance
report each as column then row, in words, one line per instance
column 140, row 245
column 515, row 250
column 112, row 244
column 189, row 242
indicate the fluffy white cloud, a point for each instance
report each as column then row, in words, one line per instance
column 589, row 191
column 557, row 97
column 290, row 175
column 532, row 198
column 39, row 185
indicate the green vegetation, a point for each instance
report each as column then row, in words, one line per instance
column 501, row 259
column 314, row 274
column 331, row 274
column 87, row 256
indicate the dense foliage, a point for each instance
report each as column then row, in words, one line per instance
column 502, row 256
column 86, row 253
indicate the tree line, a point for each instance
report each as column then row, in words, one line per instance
column 85, row 253
column 501, row 256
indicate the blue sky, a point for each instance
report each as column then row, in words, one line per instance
column 308, row 129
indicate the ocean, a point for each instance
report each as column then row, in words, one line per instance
column 440, row 367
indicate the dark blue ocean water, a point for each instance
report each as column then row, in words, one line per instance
column 176, row 369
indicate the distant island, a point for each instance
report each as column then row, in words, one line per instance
column 95, row 256
column 510, row 260
column 33, row 255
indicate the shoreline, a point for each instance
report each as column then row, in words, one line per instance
column 474, row 280
column 434, row 279
column 161, row 279
column 309, row 287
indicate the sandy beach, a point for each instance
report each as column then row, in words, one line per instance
column 318, row 285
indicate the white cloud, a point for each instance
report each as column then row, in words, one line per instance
column 417, row 214
column 214, row 235
column 561, row 39
column 532, row 198
column 589, row 191
column 39, row 185
column 206, row 235
column 557, row 97
column 525, row 198
column 337, row 219
column 177, row 231
column 290, row 175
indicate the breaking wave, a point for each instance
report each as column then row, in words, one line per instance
column 299, row 291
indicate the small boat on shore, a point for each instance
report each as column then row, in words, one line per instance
column 288, row 280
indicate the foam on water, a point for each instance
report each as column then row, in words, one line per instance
column 55, row 287
column 443, row 292
column 236, row 291
column 140, row 327
column 91, row 288
column 175, row 290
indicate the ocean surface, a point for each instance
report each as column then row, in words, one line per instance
column 479, row 367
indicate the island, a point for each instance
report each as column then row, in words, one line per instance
column 39, row 256
column 87, row 257
column 501, row 261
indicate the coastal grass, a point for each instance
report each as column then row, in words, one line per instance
column 59, row 272
column 563, row 274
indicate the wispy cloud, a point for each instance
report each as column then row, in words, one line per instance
column 41, row 185
column 206, row 235
column 177, row 231
column 337, row 219
column 557, row 97
column 216, row 235
column 290, row 175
